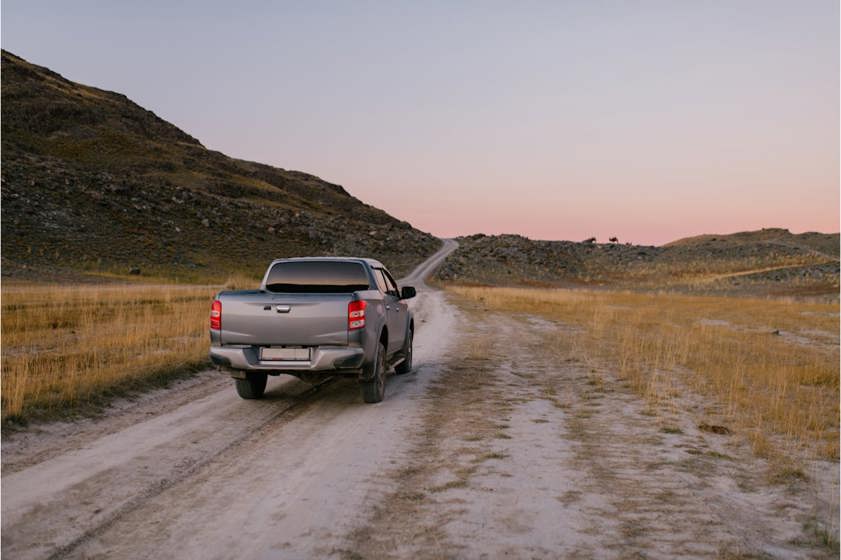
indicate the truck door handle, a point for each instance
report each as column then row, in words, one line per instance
column 283, row 308
column 387, row 308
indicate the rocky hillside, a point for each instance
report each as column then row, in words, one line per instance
column 93, row 183
column 821, row 243
column 769, row 261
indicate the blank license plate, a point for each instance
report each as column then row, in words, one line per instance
column 285, row 354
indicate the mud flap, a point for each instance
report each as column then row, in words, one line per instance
column 368, row 371
column 366, row 374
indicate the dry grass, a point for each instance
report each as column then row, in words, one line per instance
column 698, row 270
column 241, row 282
column 781, row 389
column 65, row 346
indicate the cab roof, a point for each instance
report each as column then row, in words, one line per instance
column 370, row 262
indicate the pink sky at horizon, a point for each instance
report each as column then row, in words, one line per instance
column 650, row 122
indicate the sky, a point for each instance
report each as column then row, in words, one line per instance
column 649, row 120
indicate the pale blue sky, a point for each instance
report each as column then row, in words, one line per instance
column 647, row 120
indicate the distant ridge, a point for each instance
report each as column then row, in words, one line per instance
column 93, row 182
column 764, row 262
column 825, row 243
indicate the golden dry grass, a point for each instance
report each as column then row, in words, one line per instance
column 782, row 390
column 690, row 271
column 70, row 345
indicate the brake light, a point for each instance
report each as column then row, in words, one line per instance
column 356, row 315
column 216, row 315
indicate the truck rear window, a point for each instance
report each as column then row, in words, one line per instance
column 317, row 277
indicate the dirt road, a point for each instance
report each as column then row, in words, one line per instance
column 495, row 446
column 196, row 472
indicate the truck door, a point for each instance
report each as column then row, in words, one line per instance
column 395, row 314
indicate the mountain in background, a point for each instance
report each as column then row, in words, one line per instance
column 765, row 262
column 92, row 182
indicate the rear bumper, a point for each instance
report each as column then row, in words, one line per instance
column 323, row 358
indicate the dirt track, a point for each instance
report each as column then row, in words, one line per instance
column 493, row 447
column 151, row 479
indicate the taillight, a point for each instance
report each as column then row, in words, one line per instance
column 356, row 315
column 216, row 315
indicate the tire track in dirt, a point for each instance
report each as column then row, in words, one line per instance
column 74, row 509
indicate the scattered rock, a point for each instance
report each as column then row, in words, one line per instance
column 715, row 429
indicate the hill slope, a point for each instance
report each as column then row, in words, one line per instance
column 770, row 261
column 93, row 182
column 823, row 243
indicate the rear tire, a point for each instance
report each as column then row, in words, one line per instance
column 373, row 391
column 406, row 365
column 253, row 386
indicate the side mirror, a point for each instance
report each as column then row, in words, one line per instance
column 407, row 292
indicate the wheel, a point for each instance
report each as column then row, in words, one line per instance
column 253, row 386
column 406, row 365
column 373, row 391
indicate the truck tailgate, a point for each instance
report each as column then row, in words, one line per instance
column 266, row 319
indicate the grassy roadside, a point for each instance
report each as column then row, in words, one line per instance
column 69, row 348
column 773, row 364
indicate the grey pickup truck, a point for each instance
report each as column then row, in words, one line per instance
column 314, row 317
